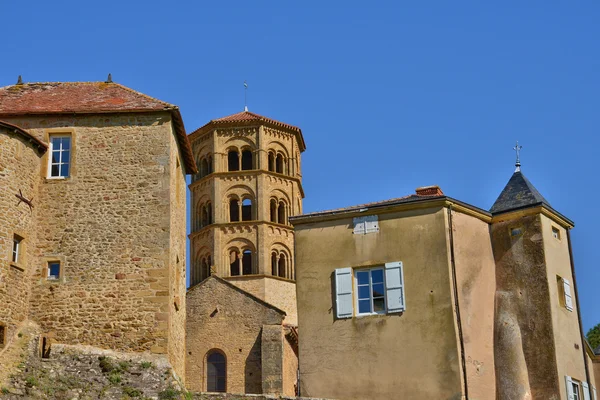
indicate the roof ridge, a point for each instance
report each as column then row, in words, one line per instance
column 169, row 105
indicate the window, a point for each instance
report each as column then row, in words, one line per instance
column 246, row 210
column 53, row 270
column 234, row 263
column 247, row 262
column 366, row 224
column 16, row 253
column 216, row 372
column 233, row 160
column 234, row 210
column 370, row 291
column 60, row 156
column 577, row 390
column 2, row 336
column 555, row 233
column 516, row 231
column 246, row 160
column 564, row 290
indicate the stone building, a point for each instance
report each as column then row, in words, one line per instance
column 249, row 183
column 93, row 217
column 426, row 296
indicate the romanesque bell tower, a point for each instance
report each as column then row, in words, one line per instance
column 249, row 183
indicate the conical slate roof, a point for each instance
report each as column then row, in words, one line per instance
column 518, row 193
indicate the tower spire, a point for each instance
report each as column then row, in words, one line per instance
column 517, row 149
column 245, row 96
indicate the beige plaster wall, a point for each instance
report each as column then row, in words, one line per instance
column 290, row 369
column 19, row 171
column 409, row 355
column 596, row 369
column 221, row 317
column 110, row 225
column 476, row 278
column 567, row 336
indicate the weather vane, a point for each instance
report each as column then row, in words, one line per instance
column 518, row 148
column 245, row 96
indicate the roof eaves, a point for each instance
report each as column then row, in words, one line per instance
column 539, row 204
column 38, row 144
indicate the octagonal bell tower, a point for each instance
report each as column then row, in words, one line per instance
column 249, row 184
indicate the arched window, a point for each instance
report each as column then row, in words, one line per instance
column 281, row 213
column 210, row 165
column 203, row 167
column 282, row 266
column 216, row 371
column 234, row 210
column 274, row 264
column 234, row 263
column 271, row 161
column 233, row 160
column 273, row 205
column 279, row 164
column 247, row 262
column 204, row 218
column 205, row 271
column 247, row 160
column 209, row 219
column 247, row 210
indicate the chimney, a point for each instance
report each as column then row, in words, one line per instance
column 429, row 191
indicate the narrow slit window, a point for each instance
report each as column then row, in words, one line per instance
column 16, row 253
column 2, row 336
column 60, row 156
column 555, row 233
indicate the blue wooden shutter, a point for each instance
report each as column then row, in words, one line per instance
column 569, row 383
column 359, row 225
column 394, row 286
column 343, row 292
column 586, row 391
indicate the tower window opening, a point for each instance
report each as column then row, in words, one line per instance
column 281, row 213
column 203, row 167
column 273, row 264
column 271, row 162
column 247, row 160
column 233, row 160
column 247, row 210
column 282, row 266
column 209, row 218
column 273, row 208
column 279, row 164
column 234, row 266
column 234, row 210
column 247, row 262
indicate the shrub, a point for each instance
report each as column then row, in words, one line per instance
column 131, row 392
column 169, row 394
column 146, row 364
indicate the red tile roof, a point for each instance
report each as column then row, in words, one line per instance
column 247, row 117
column 89, row 98
column 38, row 144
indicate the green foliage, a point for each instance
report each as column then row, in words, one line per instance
column 146, row 364
column 114, row 377
column 106, row 364
column 169, row 394
column 131, row 392
column 31, row 381
column 4, row 390
column 124, row 366
column 593, row 336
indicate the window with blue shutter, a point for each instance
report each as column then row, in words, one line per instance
column 343, row 295
column 394, row 281
column 567, row 292
column 586, row 391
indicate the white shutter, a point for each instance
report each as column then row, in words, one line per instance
column 394, row 286
column 371, row 224
column 359, row 225
column 343, row 292
column 569, row 383
column 595, row 393
column 568, row 298
column 586, row 391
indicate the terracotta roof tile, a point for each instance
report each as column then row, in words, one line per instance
column 86, row 98
column 246, row 117
column 76, row 97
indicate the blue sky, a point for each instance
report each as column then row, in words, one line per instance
column 390, row 95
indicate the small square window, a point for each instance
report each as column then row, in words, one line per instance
column 59, row 158
column 53, row 270
column 16, row 252
column 370, row 291
column 555, row 233
column 516, row 231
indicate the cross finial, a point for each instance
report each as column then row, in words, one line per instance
column 245, row 96
column 517, row 149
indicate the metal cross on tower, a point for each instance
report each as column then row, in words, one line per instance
column 518, row 148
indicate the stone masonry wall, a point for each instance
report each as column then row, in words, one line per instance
column 109, row 226
column 224, row 318
column 19, row 170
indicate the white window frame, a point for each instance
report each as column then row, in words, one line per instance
column 54, row 277
column 60, row 163
column 370, row 284
column 16, row 253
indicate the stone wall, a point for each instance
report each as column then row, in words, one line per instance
column 110, row 225
column 222, row 317
column 19, row 172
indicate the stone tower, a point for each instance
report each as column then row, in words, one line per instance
column 249, row 183
column 241, row 304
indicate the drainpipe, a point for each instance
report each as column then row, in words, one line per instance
column 457, row 308
column 587, row 372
